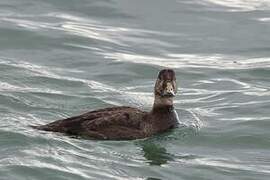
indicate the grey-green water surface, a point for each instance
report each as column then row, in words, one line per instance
column 63, row 58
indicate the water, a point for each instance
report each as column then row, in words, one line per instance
column 59, row 59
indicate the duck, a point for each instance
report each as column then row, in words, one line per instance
column 125, row 122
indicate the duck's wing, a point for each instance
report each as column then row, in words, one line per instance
column 73, row 125
column 120, row 125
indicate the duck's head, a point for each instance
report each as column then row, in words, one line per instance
column 165, row 87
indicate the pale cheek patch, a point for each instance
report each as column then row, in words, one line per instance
column 169, row 87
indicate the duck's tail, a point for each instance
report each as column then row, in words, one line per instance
column 41, row 127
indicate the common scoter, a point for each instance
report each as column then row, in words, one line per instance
column 125, row 123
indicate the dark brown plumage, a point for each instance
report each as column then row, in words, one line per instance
column 123, row 123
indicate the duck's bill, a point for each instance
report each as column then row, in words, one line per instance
column 168, row 94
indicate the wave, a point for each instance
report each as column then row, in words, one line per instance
column 86, row 28
column 242, row 5
column 215, row 61
column 39, row 71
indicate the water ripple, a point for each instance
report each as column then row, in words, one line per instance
column 242, row 5
column 216, row 61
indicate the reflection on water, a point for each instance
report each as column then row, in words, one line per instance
column 155, row 153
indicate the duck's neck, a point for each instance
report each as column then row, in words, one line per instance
column 162, row 105
column 164, row 114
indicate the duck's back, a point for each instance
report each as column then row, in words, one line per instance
column 109, row 123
